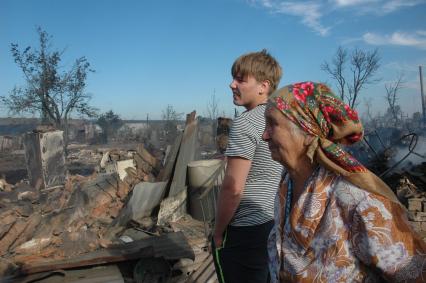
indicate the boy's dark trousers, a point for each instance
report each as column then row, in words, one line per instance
column 243, row 256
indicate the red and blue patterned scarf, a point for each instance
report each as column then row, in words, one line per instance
column 315, row 109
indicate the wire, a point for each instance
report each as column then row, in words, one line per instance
column 411, row 147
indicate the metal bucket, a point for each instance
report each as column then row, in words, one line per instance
column 204, row 178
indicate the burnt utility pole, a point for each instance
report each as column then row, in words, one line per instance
column 423, row 97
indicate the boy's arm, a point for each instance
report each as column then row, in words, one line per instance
column 230, row 195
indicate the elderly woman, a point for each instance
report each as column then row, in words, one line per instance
column 335, row 221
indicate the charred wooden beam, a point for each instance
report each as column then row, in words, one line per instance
column 169, row 246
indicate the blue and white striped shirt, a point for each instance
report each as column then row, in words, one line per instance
column 245, row 140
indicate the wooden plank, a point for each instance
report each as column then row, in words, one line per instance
column 209, row 274
column 145, row 155
column 168, row 246
column 13, row 233
column 166, row 173
column 142, row 165
column 178, row 194
column 201, row 271
column 187, row 153
column 26, row 235
column 99, row 274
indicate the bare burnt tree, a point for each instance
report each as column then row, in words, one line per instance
column 213, row 113
column 336, row 70
column 392, row 90
column 213, row 107
column 363, row 67
column 48, row 91
column 171, row 118
column 371, row 121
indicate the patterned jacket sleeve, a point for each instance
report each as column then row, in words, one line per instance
column 383, row 240
column 274, row 243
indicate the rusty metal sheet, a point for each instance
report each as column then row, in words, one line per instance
column 145, row 197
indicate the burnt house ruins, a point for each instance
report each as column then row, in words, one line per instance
column 144, row 210
column 126, row 218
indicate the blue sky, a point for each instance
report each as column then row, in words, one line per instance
column 148, row 54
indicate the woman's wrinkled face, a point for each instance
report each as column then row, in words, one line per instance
column 285, row 141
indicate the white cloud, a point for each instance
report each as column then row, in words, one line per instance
column 374, row 39
column 390, row 6
column 348, row 3
column 309, row 12
column 312, row 13
column 375, row 6
column 397, row 38
column 264, row 3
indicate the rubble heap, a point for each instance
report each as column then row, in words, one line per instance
column 89, row 220
column 410, row 186
column 64, row 221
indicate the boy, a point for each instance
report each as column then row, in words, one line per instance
column 245, row 204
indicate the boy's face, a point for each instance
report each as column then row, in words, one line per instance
column 246, row 91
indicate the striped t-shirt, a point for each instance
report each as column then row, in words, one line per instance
column 245, row 140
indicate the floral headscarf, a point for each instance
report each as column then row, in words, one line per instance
column 317, row 111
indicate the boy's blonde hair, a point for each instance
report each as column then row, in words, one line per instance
column 261, row 65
